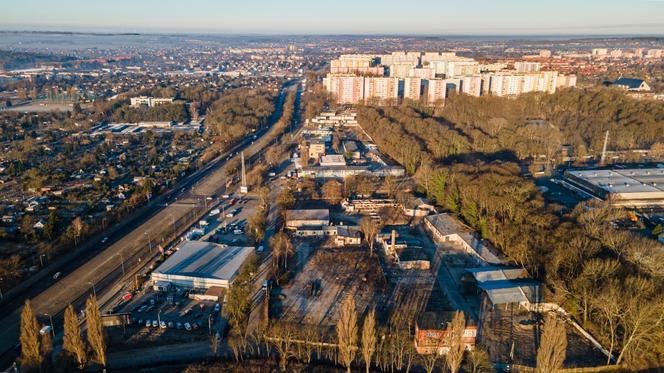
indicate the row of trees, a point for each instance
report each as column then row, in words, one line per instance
column 37, row 347
column 583, row 260
column 165, row 112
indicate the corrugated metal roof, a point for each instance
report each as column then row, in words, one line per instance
column 205, row 260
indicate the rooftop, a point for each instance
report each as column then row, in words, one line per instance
column 627, row 180
column 205, row 260
column 310, row 214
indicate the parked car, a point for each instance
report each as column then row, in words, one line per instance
column 178, row 325
column 187, row 326
column 148, row 323
column 195, row 326
column 57, row 275
column 217, row 307
column 104, row 240
column 163, row 325
column 155, row 323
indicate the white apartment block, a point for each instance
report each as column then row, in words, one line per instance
column 401, row 70
column 437, row 90
column 381, row 88
column 527, row 67
column 412, row 88
column 471, row 85
column 348, row 89
column 422, row 72
column 149, row 101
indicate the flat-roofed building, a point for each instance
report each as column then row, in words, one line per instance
column 381, row 88
column 200, row 265
column 447, row 229
column 307, row 218
column 412, row 88
column 636, row 187
column 347, row 89
column 436, row 90
column 527, row 67
column 332, row 160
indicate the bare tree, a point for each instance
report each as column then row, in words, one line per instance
column 30, row 349
column 95, row 330
column 77, row 226
column 369, row 338
column 282, row 247
column 553, row 346
column 478, row 361
column 347, row 332
column 454, row 339
column 72, row 342
column 370, row 230
column 332, row 192
column 282, row 336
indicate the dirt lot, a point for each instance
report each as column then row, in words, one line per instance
column 503, row 325
column 335, row 273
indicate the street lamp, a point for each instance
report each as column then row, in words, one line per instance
column 149, row 240
column 52, row 328
column 210, row 324
column 41, row 261
column 94, row 292
column 122, row 264
column 159, row 318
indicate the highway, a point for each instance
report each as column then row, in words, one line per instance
column 136, row 243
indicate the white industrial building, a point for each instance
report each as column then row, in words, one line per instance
column 200, row 265
column 638, row 187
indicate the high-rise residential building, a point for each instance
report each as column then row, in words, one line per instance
column 527, row 67
column 401, row 70
column 471, row 85
column 381, row 88
column 466, row 66
column 354, row 61
column 655, row 53
column 348, row 89
column 616, row 53
column 436, row 90
column 599, row 52
column 566, row 81
column 412, row 88
column 369, row 71
column 422, row 72
column 548, row 81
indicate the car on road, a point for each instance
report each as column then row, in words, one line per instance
column 142, row 308
column 171, row 325
column 195, row 326
column 57, row 275
column 148, row 323
column 104, row 240
column 163, row 325
column 155, row 323
column 178, row 325
column 187, row 326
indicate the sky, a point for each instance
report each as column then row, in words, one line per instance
column 431, row 17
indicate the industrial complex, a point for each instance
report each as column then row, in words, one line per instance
column 633, row 187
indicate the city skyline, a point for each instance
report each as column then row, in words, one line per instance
column 478, row 17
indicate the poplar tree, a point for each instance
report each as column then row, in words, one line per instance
column 95, row 330
column 30, row 352
column 72, row 342
column 347, row 333
column 553, row 346
column 369, row 338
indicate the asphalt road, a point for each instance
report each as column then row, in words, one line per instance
column 105, row 268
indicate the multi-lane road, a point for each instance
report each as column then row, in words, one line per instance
column 130, row 246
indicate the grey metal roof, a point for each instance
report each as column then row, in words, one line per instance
column 205, row 260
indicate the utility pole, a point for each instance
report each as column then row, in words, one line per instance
column 243, row 187
column 606, row 142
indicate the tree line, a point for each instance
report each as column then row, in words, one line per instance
column 583, row 261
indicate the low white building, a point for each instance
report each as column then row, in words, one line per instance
column 200, row 265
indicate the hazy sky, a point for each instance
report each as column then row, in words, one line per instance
column 340, row 16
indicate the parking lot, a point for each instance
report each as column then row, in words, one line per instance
column 165, row 318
